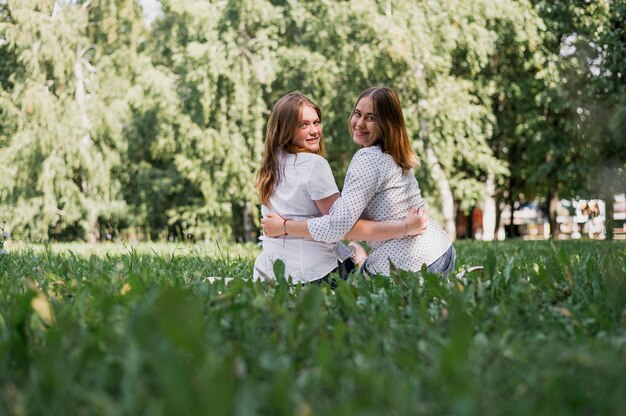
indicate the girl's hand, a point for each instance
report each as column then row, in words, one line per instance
column 273, row 225
column 416, row 221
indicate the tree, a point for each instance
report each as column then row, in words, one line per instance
column 56, row 181
column 220, row 58
column 158, row 131
column 577, row 149
column 417, row 49
column 140, row 115
column 542, row 75
column 604, row 113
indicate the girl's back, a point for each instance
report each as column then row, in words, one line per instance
column 305, row 178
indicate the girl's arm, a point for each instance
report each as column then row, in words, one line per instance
column 363, row 181
column 414, row 223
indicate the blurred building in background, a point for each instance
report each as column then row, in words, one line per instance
column 582, row 218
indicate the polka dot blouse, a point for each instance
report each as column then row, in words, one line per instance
column 377, row 189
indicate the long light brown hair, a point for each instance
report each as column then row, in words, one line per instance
column 394, row 138
column 279, row 135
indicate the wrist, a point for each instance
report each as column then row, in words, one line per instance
column 285, row 226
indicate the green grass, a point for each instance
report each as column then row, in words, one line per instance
column 138, row 330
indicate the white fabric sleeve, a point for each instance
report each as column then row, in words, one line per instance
column 362, row 182
column 320, row 182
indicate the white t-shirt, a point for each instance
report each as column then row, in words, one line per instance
column 306, row 177
column 376, row 188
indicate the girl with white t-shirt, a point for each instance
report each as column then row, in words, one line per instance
column 379, row 186
column 295, row 181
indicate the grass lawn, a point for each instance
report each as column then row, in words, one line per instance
column 138, row 329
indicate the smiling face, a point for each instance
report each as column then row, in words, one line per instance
column 363, row 123
column 308, row 133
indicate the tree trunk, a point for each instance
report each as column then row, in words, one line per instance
column 243, row 222
column 499, row 203
column 509, row 228
column 553, row 201
column 447, row 201
column 609, row 222
column 489, row 210
column 249, row 230
column 470, row 224
column 92, row 228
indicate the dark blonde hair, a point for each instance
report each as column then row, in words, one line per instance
column 279, row 134
column 394, row 138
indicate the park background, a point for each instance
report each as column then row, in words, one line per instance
column 131, row 121
column 135, row 126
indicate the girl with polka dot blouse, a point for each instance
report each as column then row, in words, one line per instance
column 379, row 186
column 295, row 181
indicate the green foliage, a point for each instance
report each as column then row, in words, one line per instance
column 57, row 177
column 220, row 60
column 135, row 330
column 554, row 122
column 606, row 112
column 107, row 124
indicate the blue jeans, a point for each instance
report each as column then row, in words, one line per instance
column 444, row 264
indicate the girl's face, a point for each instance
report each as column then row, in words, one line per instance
column 309, row 130
column 364, row 123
